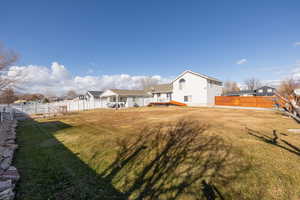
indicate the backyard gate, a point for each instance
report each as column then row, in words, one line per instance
column 246, row 101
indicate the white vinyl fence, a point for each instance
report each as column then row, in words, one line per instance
column 55, row 107
column 71, row 105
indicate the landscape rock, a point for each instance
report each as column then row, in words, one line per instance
column 5, row 163
column 7, row 194
column 8, row 174
column 11, row 174
column 8, row 152
column 4, row 185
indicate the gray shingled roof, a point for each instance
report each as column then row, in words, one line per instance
column 130, row 92
column 161, row 88
column 95, row 93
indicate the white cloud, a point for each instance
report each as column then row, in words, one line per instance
column 296, row 70
column 286, row 71
column 90, row 71
column 57, row 80
column 297, row 44
column 242, row 61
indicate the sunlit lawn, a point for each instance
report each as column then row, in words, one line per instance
column 64, row 157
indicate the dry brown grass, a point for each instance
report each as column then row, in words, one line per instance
column 275, row 173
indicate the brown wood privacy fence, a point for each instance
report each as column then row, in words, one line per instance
column 246, row 101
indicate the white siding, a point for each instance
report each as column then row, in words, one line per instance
column 107, row 93
column 163, row 98
column 195, row 86
column 212, row 91
column 104, row 101
column 105, row 98
column 140, row 101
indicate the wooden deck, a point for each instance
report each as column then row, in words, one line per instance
column 169, row 103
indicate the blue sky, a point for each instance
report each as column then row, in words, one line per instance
column 156, row 37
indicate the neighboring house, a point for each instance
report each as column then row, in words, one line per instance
column 92, row 95
column 125, row 98
column 80, row 97
column 161, row 93
column 191, row 88
column 262, row 91
column 54, row 99
column 93, row 99
column 265, row 91
column 195, row 89
column 20, row 101
column 241, row 93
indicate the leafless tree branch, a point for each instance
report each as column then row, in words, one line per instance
column 173, row 160
column 7, row 58
column 252, row 83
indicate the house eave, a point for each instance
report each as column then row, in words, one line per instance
column 198, row 74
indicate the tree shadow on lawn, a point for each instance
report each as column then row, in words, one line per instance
column 274, row 140
column 49, row 170
column 176, row 161
column 169, row 161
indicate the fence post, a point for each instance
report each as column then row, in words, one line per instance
column 11, row 114
column 35, row 108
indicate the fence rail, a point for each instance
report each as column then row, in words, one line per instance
column 247, row 101
column 55, row 107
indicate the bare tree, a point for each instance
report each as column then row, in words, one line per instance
column 8, row 96
column 252, row 83
column 287, row 87
column 71, row 94
column 147, row 82
column 286, row 97
column 230, row 86
column 7, row 58
column 31, row 97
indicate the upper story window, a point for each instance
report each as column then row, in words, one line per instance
column 270, row 90
column 210, row 83
column 181, row 84
column 187, row 98
column 113, row 99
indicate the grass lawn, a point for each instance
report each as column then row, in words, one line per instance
column 66, row 157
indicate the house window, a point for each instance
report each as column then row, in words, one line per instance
column 113, row 99
column 260, row 91
column 188, row 98
column 270, row 90
column 210, row 83
column 181, row 84
column 133, row 99
column 123, row 99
